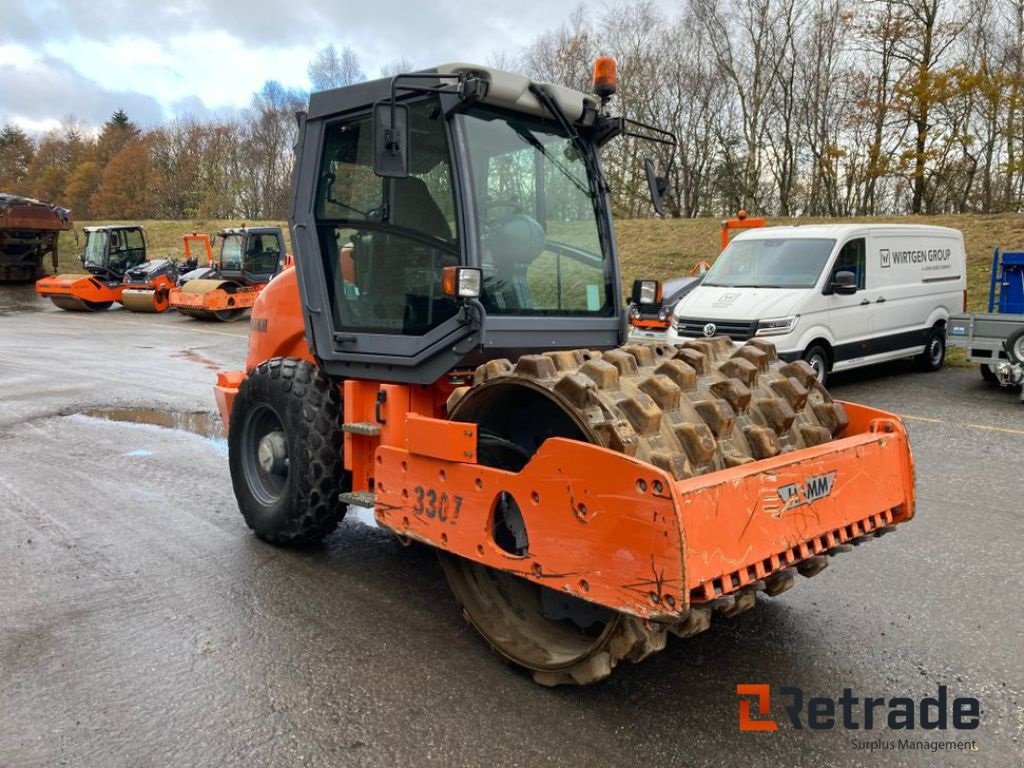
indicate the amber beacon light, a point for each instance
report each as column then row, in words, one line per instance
column 606, row 77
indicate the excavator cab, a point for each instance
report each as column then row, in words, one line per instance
column 447, row 351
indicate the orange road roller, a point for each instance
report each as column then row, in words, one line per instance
column 109, row 253
column 449, row 351
column 249, row 257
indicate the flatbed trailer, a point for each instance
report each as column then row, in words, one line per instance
column 995, row 339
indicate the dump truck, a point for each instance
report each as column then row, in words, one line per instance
column 448, row 352
column 29, row 230
column 249, row 257
column 109, row 253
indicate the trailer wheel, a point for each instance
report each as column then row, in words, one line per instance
column 1014, row 346
column 988, row 374
column 284, row 451
column 934, row 354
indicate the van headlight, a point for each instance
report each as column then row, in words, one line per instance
column 776, row 327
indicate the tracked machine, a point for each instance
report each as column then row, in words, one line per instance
column 249, row 257
column 29, row 230
column 110, row 252
column 447, row 351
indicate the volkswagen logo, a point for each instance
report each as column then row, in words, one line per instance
column 709, row 330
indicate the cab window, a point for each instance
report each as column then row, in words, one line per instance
column 264, row 254
column 852, row 258
column 386, row 241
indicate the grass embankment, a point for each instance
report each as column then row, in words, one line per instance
column 163, row 238
column 656, row 248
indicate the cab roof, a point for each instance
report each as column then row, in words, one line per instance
column 112, row 227
column 504, row 89
column 248, row 231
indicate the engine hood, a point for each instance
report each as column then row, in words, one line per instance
column 708, row 302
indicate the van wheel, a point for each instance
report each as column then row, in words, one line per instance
column 934, row 354
column 817, row 358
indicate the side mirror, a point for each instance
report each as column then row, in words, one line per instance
column 844, row 283
column 646, row 292
column 391, row 140
column 658, row 186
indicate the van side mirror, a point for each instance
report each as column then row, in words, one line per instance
column 391, row 140
column 844, row 283
column 658, row 186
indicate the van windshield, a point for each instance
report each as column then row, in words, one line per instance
column 770, row 263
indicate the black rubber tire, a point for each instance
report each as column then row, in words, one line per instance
column 988, row 374
column 98, row 306
column 301, row 504
column 1014, row 346
column 934, row 354
column 817, row 357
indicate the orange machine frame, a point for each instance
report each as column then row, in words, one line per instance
column 83, row 287
column 202, row 239
column 741, row 221
column 603, row 526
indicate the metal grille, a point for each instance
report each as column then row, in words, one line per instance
column 737, row 330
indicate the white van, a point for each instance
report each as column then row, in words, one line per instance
column 838, row 296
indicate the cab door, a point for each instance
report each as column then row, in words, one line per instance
column 850, row 314
column 379, row 247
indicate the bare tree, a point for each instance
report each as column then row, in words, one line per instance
column 333, row 69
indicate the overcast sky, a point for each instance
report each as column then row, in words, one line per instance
column 88, row 58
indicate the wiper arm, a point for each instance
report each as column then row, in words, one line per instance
column 534, row 142
column 552, row 106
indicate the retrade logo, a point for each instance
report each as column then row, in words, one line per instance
column 851, row 712
column 762, row 693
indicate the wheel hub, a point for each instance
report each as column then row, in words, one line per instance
column 272, row 453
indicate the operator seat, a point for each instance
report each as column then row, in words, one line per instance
column 402, row 272
column 413, row 207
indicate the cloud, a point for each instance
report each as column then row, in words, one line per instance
column 41, row 90
column 89, row 57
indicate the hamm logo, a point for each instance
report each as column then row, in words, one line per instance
column 816, row 487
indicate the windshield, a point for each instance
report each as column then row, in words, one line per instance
column 96, row 249
column 231, row 252
column 536, row 210
column 770, row 263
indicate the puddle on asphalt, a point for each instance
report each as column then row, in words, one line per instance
column 17, row 299
column 200, row 423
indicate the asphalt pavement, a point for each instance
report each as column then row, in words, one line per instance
column 141, row 624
